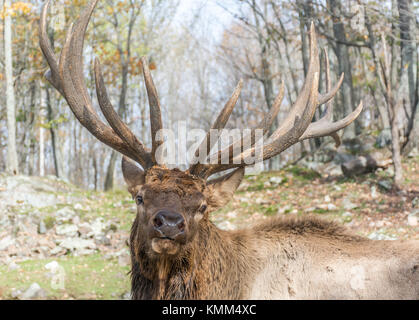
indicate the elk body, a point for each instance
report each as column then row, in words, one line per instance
column 178, row 253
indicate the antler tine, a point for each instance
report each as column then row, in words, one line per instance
column 115, row 121
column 51, row 75
column 325, row 126
column 220, row 122
column 264, row 125
column 297, row 121
column 155, row 110
column 323, row 98
column 297, row 125
column 67, row 77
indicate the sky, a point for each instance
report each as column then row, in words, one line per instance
column 211, row 16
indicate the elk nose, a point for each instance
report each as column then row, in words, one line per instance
column 169, row 224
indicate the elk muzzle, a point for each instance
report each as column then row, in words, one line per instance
column 169, row 225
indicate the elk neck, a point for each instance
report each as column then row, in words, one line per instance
column 203, row 270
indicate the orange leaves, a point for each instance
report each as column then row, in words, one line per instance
column 17, row 9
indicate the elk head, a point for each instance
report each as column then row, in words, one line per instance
column 173, row 206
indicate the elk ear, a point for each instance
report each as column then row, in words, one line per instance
column 223, row 188
column 133, row 175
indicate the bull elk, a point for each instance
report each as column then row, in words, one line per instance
column 178, row 253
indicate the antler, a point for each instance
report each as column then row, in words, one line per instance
column 296, row 127
column 66, row 76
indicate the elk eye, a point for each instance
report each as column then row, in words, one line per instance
column 139, row 200
column 203, row 208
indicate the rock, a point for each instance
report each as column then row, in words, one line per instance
column 76, row 220
column 358, row 166
column 65, row 215
column 6, row 242
column 126, row 296
column 385, row 184
column 85, row 230
column 33, row 292
column 413, row 153
column 52, row 266
column 284, row 209
column 374, row 194
column 26, row 191
column 104, row 240
column 68, row 230
column 77, row 244
column 327, row 198
column 353, row 145
column 124, row 260
column 381, row 236
column 413, row 218
column 390, row 171
column 16, row 293
column 99, row 228
column 275, row 180
column 415, row 202
column 42, row 229
column 57, row 251
column 348, row 205
column 13, row 266
column 384, row 138
column 341, row 157
column 226, row 225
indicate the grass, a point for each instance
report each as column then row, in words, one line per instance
column 86, row 277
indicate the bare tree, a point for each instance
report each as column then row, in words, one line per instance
column 12, row 161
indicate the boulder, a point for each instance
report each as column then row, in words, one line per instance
column 33, row 292
column 358, row 166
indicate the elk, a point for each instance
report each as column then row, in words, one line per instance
column 178, row 253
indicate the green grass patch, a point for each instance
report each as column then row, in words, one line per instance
column 87, row 277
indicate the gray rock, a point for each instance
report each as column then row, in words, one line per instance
column 42, row 229
column 284, row 209
column 126, row 296
column 348, row 205
column 56, row 251
column 6, row 242
column 385, row 184
column 65, row 215
column 380, row 236
column 16, row 293
column 13, row 266
column 68, row 230
column 415, row 202
column 413, row 153
column 104, row 240
column 33, row 292
column 274, row 181
column 384, row 138
column 226, row 225
column 341, row 157
column 77, row 244
column 413, row 218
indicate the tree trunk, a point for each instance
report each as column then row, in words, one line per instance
column 110, row 172
column 12, row 162
column 344, row 63
column 43, row 106
column 409, row 63
column 56, row 154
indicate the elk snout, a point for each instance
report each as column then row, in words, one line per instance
column 169, row 224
